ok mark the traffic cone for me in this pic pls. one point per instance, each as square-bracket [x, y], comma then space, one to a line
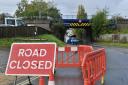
[51, 79]
[41, 81]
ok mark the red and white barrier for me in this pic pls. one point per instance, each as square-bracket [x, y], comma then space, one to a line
[69, 48]
[51, 79]
[67, 56]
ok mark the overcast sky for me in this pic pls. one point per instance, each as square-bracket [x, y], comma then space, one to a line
[69, 7]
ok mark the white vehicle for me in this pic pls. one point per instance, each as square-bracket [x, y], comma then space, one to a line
[12, 22]
[68, 34]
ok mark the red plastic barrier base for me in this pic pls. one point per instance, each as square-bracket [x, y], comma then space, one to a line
[41, 81]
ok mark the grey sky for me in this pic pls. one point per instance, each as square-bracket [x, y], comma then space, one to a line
[115, 7]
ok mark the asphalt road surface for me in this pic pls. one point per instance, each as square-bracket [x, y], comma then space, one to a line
[117, 69]
[117, 66]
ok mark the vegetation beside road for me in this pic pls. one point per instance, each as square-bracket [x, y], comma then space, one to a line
[124, 45]
[6, 42]
[123, 31]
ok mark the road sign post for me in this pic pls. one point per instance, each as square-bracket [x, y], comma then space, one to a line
[31, 59]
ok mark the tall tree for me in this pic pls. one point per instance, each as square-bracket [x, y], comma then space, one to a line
[81, 14]
[99, 21]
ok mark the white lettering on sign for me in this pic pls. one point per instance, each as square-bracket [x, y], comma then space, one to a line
[34, 66]
[12, 64]
[48, 65]
[30, 65]
[32, 53]
[26, 64]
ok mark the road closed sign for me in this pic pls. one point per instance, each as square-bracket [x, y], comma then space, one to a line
[31, 59]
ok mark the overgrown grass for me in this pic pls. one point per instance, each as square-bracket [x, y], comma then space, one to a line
[6, 42]
[51, 38]
[124, 31]
[117, 31]
[124, 45]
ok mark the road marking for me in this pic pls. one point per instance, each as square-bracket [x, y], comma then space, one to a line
[26, 81]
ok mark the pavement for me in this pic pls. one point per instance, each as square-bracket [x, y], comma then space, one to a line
[117, 70]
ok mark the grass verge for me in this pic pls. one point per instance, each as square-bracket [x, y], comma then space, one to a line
[6, 42]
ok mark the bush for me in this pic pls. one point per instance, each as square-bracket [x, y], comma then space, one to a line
[124, 39]
[58, 30]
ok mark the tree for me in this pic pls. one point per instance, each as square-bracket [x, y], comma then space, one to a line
[37, 8]
[117, 17]
[40, 8]
[99, 21]
[54, 13]
[21, 7]
[58, 29]
[81, 14]
[2, 16]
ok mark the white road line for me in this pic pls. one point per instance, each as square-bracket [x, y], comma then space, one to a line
[26, 81]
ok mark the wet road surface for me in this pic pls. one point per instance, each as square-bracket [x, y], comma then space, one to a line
[117, 66]
[117, 69]
[4, 54]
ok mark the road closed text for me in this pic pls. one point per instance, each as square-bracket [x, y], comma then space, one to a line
[30, 65]
[32, 53]
[33, 64]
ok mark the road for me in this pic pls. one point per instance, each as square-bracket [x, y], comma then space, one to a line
[117, 66]
[117, 69]
[4, 52]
